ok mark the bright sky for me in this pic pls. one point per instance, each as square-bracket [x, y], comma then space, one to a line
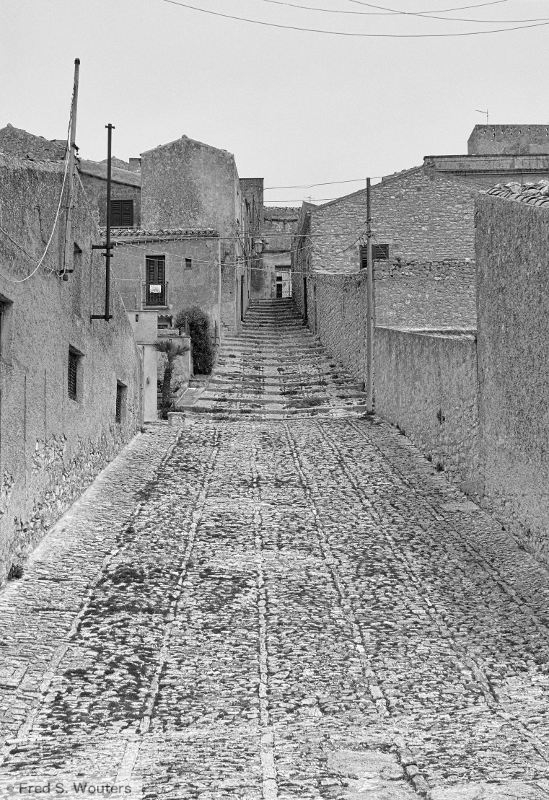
[294, 107]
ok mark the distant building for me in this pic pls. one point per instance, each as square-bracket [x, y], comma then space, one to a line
[273, 278]
[69, 385]
[423, 228]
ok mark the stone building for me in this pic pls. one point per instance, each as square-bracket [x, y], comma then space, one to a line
[189, 185]
[423, 230]
[69, 385]
[273, 277]
[125, 191]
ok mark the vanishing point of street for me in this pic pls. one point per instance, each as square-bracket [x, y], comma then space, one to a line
[279, 599]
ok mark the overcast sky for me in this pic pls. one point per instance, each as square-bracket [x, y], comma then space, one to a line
[294, 107]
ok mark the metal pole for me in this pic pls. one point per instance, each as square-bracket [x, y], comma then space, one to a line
[72, 156]
[108, 246]
[369, 303]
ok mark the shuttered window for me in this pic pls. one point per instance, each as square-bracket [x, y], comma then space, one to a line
[380, 252]
[122, 213]
[155, 267]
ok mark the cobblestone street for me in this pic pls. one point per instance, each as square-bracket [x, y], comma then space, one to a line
[277, 609]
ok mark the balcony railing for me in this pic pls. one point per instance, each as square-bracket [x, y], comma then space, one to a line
[155, 295]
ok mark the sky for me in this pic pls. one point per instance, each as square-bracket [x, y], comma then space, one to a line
[294, 107]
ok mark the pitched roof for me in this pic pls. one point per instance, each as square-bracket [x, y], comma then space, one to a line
[534, 194]
[133, 235]
[17, 142]
[98, 169]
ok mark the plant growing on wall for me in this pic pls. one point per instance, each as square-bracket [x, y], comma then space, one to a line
[171, 350]
[203, 351]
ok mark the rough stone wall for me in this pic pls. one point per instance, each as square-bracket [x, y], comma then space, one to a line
[17, 142]
[421, 215]
[340, 314]
[51, 447]
[277, 231]
[513, 348]
[426, 294]
[426, 383]
[96, 189]
[188, 184]
[503, 139]
[186, 287]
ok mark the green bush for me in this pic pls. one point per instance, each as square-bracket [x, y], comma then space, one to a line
[203, 350]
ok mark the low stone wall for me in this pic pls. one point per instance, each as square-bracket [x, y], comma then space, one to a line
[426, 383]
[337, 313]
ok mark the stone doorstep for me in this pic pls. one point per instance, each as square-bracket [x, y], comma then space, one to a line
[189, 396]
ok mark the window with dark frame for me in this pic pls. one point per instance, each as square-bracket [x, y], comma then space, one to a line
[188, 263]
[72, 376]
[380, 252]
[155, 269]
[122, 213]
[120, 401]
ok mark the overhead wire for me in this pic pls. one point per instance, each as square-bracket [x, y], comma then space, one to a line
[55, 221]
[354, 34]
[391, 12]
[384, 13]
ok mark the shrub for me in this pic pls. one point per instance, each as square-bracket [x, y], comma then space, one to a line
[203, 350]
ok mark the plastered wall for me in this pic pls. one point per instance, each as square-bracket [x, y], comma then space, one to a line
[51, 446]
[513, 345]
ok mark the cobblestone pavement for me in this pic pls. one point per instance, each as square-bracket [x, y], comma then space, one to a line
[277, 610]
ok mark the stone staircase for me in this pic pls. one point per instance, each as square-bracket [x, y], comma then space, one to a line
[275, 369]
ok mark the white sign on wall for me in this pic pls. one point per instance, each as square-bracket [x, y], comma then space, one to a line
[155, 288]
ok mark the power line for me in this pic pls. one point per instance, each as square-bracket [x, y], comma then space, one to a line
[391, 12]
[311, 185]
[424, 15]
[353, 34]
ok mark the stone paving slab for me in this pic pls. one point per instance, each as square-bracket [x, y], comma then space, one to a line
[266, 610]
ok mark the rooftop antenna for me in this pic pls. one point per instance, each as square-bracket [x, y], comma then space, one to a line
[479, 111]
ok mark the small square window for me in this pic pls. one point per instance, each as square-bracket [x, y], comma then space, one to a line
[188, 263]
[72, 374]
[380, 252]
[122, 213]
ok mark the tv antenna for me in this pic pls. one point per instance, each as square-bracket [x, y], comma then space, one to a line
[479, 111]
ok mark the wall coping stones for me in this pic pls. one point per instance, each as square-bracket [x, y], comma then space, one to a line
[536, 194]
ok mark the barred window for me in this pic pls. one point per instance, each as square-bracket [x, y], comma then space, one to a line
[120, 401]
[72, 377]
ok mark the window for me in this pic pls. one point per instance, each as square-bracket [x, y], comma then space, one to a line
[380, 252]
[120, 401]
[72, 375]
[155, 267]
[188, 263]
[122, 213]
[5, 313]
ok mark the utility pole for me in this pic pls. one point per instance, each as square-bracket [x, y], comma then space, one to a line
[369, 303]
[107, 247]
[68, 252]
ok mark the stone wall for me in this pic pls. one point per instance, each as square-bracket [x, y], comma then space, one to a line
[426, 294]
[414, 295]
[504, 139]
[513, 346]
[426, 383]
[199, 285]
[94, 180]
[421, 215]
[188, 184]
[51, 446]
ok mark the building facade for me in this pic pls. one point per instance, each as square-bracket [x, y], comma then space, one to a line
[69, 384]
[273, 278]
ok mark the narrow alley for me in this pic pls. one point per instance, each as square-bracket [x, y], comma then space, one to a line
[278, 600]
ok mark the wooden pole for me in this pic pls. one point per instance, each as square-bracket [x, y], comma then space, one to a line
[369, 303]
[68, 252]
